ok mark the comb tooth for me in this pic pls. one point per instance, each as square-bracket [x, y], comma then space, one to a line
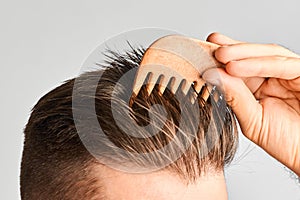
[153, 79]
[140, 81]
[185, 86]
[174, 84]
[163, 83]
[198, 85]
[205, 93]
[193, 94]
[193, 99]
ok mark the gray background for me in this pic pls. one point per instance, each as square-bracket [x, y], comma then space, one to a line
[43, 43]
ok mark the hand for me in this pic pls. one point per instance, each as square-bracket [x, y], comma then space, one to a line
[261, 83]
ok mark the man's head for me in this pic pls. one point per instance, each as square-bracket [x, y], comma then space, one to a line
[57, 165]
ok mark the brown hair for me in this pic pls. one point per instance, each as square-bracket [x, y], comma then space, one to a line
[57, 165]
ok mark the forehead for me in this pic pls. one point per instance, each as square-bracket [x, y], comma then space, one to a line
[141, 186]
[161, 185]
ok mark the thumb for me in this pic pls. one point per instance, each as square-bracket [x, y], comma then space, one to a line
[247, 110]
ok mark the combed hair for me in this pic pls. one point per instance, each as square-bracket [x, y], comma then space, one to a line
[57, 165]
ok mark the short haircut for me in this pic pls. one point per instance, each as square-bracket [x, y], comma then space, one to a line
[56, 164]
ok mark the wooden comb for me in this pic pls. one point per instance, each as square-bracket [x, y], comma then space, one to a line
[173, 59]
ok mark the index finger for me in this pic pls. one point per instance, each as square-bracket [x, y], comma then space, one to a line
[270, 66]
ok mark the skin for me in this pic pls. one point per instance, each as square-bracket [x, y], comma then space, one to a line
[159, 185]
[262, 85]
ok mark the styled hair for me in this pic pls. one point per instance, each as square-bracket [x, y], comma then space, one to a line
[57, 165]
